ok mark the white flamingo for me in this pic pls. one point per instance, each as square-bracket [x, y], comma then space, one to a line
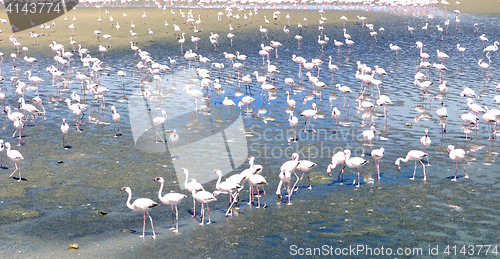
[144, 205]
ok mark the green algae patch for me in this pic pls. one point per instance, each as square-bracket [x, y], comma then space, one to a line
[16, 214]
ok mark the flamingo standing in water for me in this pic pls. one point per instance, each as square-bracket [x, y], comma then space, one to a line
[16, 157]
[64, 130]
[308, 114]
[226, 187]
[413, 155]
[337, 159]
[159, 121]
[368, 135]
[457, 154]
[377, 154]
[304, 166]
[204, 197]
[116, 119]
[489, 49]
[345, 90]
[144, 205]
[285, 177]
[395, 48]
[192, 186]
[425, 141]
[354, 162]
[193, 93]
[293, 122]
[171, 199]
[258, 180]
[335, 115]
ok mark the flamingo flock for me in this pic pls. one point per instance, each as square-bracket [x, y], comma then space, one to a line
[149, 67]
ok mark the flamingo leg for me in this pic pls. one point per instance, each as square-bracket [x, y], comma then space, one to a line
[295, 184]
[17, 168]
[150, 219]
[250, 194]
[208, 211]
[289, 194]
[341, 172]
[194, 208]
[265, 202]
[202, 214]
[425, 177]
[311, 125]
[414, 171]
[456, 170]
[172, 206]
[466, 176]
[258, 196]
[144, 224]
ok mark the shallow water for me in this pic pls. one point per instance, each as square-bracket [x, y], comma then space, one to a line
[64, 189]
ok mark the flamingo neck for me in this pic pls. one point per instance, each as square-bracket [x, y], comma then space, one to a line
[217, 185]
[159, 191]
[186, 182]
[128, 200]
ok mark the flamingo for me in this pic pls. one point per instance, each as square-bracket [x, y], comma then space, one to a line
[181, 41]
[293, 122]
[425, 141]
[308, 114]
[192, 186]
[377, 154]
[335, 115]
[193, 93]
[226, 187]
[337, 159]
[144, 205]
[258, 180]
[456, 155]
[172, 199]
[491, 116]
[485, 66]
[368, 135]
[64, 130]
[332, 67]
[354, 162]
[157, 121]
[18, 124]
[395, 48]
[34, 79]
[290, 101]
[413, 155]
[304, 166]
[116, 119]
[441, 55]
[491, 48]
[229, 104]
[345, 90]
[16, 157]
[483, 38]
[204, 197]
[461, 50]
[13, 116]
[285, 177]
[469, 119]
[31, 109]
